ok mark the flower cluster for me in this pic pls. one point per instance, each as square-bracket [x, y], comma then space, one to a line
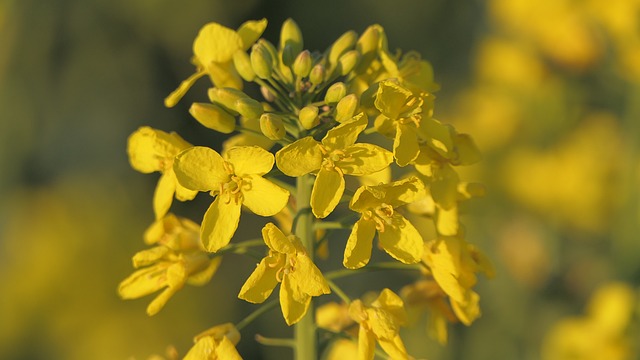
[356, 109]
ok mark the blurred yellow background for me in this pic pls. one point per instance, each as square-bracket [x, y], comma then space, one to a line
[550, 90]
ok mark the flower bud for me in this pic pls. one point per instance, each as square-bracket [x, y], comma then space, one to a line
[302, 64]
[348, 61]
[267, 94]
[213, 117]
[342, 45]
[317, 74]
[335, 93]
[242, 62]
[261, 61]
[288, 55]
[291, 36]
[248, 107]
[346, 108]
[369, 41]
[226, 97]
[309, 117]
[272, 126]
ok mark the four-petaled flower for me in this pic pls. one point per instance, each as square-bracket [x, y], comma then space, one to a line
[213, 51]
[288, 264]
[153, 150]
[380, 322]
[407, 117]
[398, 237]
[235, 180]
[178, 259]
[332, 158]
[217, 343]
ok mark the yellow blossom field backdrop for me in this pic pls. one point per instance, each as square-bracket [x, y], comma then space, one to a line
[549, 90]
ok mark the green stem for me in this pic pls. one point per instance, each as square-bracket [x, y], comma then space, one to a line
[256, 314]
[275, 341]
[336, 289]
[305, 330]
[337, 274]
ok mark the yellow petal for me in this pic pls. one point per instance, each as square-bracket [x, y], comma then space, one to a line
[163, 195]
[397, 193]
[363, 159]
[260, 283]
[294, 304]
[177, 94]
[202, 350]
[299, 158]
[200, 168]
[326, 193]
[466, 150]
[215, 43]
[469, 310]
[220, 223]
[224, 75]
[251, 31]
[438, 136]
[446, 269]
[142, 282]
[203, 277]
[345, 134]
[358, 250]
[182, 193]
[383, 323]
[248, 160]
[276, 240]
[308, 278]
[263, 197]
[402, 241]
[392, 303]
[366, 344]
[226, 350]
[149, 256]
[151, 150]
[381, 177]
[161, 300]
[405, 145]
[444, 185]
[391, 99]
[447, 222]
[394, 348]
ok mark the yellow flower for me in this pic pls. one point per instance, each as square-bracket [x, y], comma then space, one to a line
[397, 235]
[153, 150]
[288, 264]
[444, 182]
[454, 263]
[177, 259]
[413, 73]
[213, 51]
[380, 322]
[217, 343]
[235, 180]
[332, 158]
[427, 294]
[407, 118]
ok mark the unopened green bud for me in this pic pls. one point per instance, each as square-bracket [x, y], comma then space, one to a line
[226, 97]
[335, 93]
[272, 49]
[291, 36]
[346, 108]
[249, 108]
[348, 61]
[213, 117]
[272, 126]
[261, 61]
[302, 65]
[288, 55]
[309, 117]
[242, 62]
[341, 46]
[317, 74]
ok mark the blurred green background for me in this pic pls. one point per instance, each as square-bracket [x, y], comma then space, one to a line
[550, 90]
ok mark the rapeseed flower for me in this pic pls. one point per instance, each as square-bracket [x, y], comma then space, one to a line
[213, 51]
[398, 237]
[380, 322]
[217, 343]
[235, 180]
[287, 263]
[332, 158]
[153, 150]
[178, 259]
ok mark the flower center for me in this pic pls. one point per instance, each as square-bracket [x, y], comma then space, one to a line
[331, 158]
[232, 189]
[382, 215]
